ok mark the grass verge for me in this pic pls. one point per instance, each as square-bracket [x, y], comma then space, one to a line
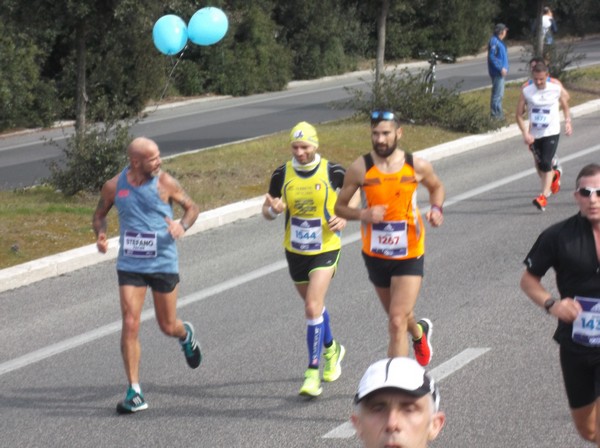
[38, 222]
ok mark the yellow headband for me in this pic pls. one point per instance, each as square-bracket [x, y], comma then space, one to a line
[304, 132]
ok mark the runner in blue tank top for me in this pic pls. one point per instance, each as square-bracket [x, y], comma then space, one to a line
[143, 195]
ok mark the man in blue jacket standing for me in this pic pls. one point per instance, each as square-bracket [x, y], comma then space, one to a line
[498, 69]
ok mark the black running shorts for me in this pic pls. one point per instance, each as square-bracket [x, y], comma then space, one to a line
[544, 150]
[301, 266]
[157, 282]
[581, 374]
[381, 270]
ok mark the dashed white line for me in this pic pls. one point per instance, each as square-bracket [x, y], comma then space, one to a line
[346, 430]
[105, 330]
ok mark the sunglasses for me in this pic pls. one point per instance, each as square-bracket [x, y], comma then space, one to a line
[587, 192]
[378, 115]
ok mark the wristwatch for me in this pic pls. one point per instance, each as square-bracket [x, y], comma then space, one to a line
[549, 303]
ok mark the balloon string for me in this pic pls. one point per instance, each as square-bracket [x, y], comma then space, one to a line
[162, 95]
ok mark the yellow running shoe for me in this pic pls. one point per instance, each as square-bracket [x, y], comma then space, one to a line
[312, 384]
[333, 361]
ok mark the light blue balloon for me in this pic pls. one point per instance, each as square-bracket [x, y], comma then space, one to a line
[170, 34]
[207, 26]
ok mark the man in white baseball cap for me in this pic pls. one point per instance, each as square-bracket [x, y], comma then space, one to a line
[397, 404]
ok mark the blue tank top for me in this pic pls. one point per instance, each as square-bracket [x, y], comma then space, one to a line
[146, 246]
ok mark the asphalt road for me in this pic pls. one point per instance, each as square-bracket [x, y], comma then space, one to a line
[61, 373]
[24, 158]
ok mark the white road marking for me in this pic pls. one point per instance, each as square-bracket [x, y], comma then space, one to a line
[456, 363]
[106, 330]
[346, 430]
[114, 327]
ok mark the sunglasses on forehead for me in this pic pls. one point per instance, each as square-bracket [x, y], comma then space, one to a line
[587, 192]
[378, 115]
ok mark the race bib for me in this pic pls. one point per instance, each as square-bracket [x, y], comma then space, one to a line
[389, 238]
[586, 328]
[540, 118]
[306, 234]
[140, 244]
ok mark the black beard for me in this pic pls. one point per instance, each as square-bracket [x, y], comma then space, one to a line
[386, 152]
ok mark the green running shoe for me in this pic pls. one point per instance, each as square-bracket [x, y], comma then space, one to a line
[133, 402]
[333, 361]
[312, 384]
[190, 347]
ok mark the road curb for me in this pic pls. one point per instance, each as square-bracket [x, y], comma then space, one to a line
[475, 141]
[65, 262]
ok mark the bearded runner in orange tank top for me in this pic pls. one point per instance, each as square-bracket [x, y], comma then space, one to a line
[392, 229]
[401, 234]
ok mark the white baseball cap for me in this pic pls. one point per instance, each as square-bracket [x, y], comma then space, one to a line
[403, 374]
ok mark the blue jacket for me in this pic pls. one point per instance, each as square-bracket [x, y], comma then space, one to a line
[497, 56]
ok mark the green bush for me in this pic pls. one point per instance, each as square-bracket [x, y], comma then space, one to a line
[25, 99]
[91, 158]
[560, 56]
[320, 36]
[454, 27]
[405, 93]
[250, 59]
[189, 78]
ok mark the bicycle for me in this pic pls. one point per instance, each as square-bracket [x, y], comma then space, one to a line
[429, 78]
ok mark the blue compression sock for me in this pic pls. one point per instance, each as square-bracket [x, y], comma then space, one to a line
[327, 336]
[314, 340]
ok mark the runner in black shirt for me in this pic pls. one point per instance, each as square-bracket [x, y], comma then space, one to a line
[572, 248]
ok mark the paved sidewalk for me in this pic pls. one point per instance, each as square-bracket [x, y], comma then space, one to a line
[72, 260]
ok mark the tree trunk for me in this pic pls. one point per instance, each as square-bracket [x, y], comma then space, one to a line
[381, 22]
[538, 48]
[81, 95]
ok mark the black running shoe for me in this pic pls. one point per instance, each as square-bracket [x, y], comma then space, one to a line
[190, 347]
[133, 402]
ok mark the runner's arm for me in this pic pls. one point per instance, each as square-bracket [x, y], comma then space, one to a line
[565, 91]
[177, 194]
[352, 182]
[521, 109]
[273, 205]
[566, 309]
[564, 104]
[105, 203]
[427, 176]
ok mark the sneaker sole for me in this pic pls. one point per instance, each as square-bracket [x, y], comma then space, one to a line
[429, 334]
[306, 393]
[555, 187]
[330, 379]
[192, 363]
[538, 205]
[123, 410]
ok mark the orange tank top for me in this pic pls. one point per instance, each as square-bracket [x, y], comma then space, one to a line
[401, 235]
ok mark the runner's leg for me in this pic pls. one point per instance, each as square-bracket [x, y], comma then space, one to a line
[399, 302]
[132, 301]
[165, 307]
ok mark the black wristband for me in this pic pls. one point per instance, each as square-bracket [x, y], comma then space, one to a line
[549, 303]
